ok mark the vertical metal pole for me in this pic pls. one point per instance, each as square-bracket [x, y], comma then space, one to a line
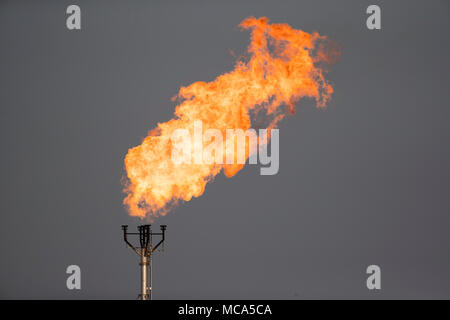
[151, 273]
[144, 265]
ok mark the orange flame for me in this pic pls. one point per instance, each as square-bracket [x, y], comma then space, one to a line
[282, 67]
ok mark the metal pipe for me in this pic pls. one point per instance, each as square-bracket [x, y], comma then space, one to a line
[144, 265]
[151, 274]
[145, 251]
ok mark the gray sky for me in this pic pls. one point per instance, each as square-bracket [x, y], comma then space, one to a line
[365, 181]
